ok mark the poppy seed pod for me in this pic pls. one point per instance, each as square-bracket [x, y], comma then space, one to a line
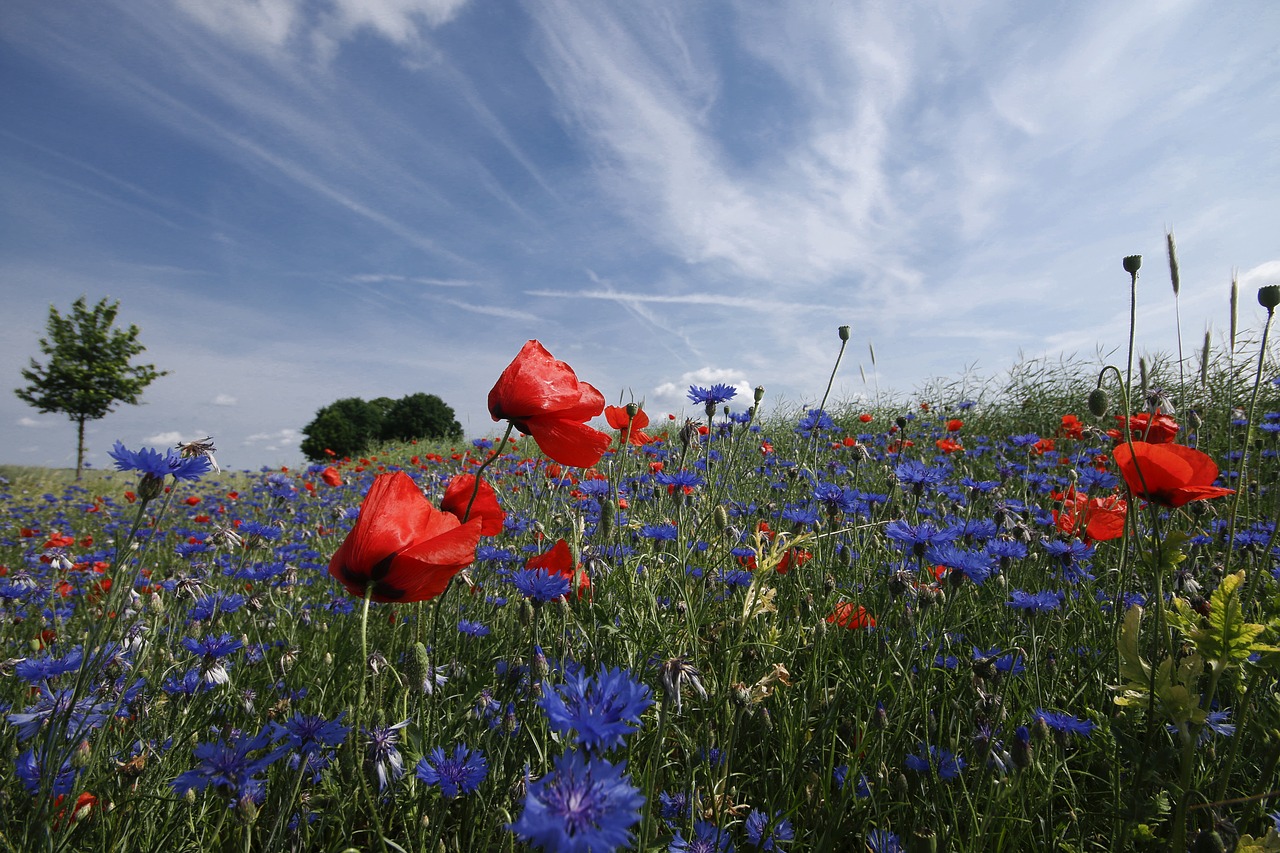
[844, 333]
[1132, 263]
[759, 393]
[1098, 402]
[1269, 296]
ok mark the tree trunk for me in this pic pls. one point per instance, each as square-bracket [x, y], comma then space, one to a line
[79, 446]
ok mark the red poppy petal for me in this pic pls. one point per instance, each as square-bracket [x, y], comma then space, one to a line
[559, 560]
[535, 383]
[569, 442]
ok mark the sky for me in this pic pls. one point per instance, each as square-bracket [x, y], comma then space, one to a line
[302, 200]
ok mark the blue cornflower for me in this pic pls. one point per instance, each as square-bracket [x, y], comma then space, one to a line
[232, 767]
[815, 420]
[473, 629]
[80, 715]
[312, 739]
[212, 647]
[46, 667]
[674, 807]
[920, 536]
[30, 771]
[152, 464]
[460, 773]
[383, 761]
[1215, 723]
[601, 710]
[975, 565]
[948, 764]
[884, 841]
[1034, 602]
[713, 396]
[835, 499]
[766, 833]
[706, 838]
[584, 805]
[802, 514]
[219, 602]
[683, 482]
[1024, 440]
[659, 532]
[539, 585]
[918, 476]
[1065, 723]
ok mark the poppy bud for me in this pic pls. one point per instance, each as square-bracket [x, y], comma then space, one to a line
[844, 333]
[1132, 263]
[1098, 403]
[1269, 296]
[721, 516]
[901, 422]
[608, 509]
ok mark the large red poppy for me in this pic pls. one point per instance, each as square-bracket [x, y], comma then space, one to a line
[485, 506]
[1174, 475]
[543, 397]
[402, 548]
[628, 428]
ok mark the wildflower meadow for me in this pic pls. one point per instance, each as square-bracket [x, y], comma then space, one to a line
[1038, 614]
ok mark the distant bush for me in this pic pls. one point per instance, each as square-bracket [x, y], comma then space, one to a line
[348, 426]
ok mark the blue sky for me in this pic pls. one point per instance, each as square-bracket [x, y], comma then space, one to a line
[302, 200]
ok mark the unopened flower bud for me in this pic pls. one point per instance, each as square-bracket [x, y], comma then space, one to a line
[1132, 263]
[759, 393]
[721, 516]
[151, 487]
[1098, 403]
[844, 333]
[1269, 296]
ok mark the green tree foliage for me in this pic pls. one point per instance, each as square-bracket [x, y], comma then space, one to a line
[347, 427]
[89, 370]
[419, 416]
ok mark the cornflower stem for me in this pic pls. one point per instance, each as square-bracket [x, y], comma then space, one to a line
[1244, 460]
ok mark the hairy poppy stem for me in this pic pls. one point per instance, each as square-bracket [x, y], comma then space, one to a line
[492, 456]
[1244, 460]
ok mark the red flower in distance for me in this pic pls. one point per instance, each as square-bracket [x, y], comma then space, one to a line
[402, 548]
[846, 615]
[542, 397]
[1071, 427]
[955, 425]
[1174, 475]
[485, 507]
[1161, 429]
[559, 561]
[331, 476]
[626, 425]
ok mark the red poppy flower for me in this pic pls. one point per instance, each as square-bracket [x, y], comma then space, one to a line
[846, 615]
[559, 561]
[1099, 519]
[1161, 429]
[1174, 475]
[1071, 427]
[402, 548]
[955, 425]
[543, 398]
[331, 476]
[485, 507]
[626, 425]
[948, 445]
[865, 418]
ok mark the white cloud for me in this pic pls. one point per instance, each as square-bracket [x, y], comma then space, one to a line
[164, 439]
[286, 439]
[224, 400]
[34, 423]
[673, 396]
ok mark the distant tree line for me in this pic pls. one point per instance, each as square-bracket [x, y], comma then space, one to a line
[348, 426]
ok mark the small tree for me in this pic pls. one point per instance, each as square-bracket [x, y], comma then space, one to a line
[88, 371]
[419, 416]
[344, 428]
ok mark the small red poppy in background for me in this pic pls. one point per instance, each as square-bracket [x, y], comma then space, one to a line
[1173, 475]
[543, 397]
[402, 548]
[1071, 427]
[485, 506]
[331, 476]
[1099, 519]
[949, 445]
[559, 561]
[865, 418]
[1161, 429]
[629, 428]
[955, 425]
[846, 615]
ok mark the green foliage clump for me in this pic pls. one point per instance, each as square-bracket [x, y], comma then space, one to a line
[348, 426]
